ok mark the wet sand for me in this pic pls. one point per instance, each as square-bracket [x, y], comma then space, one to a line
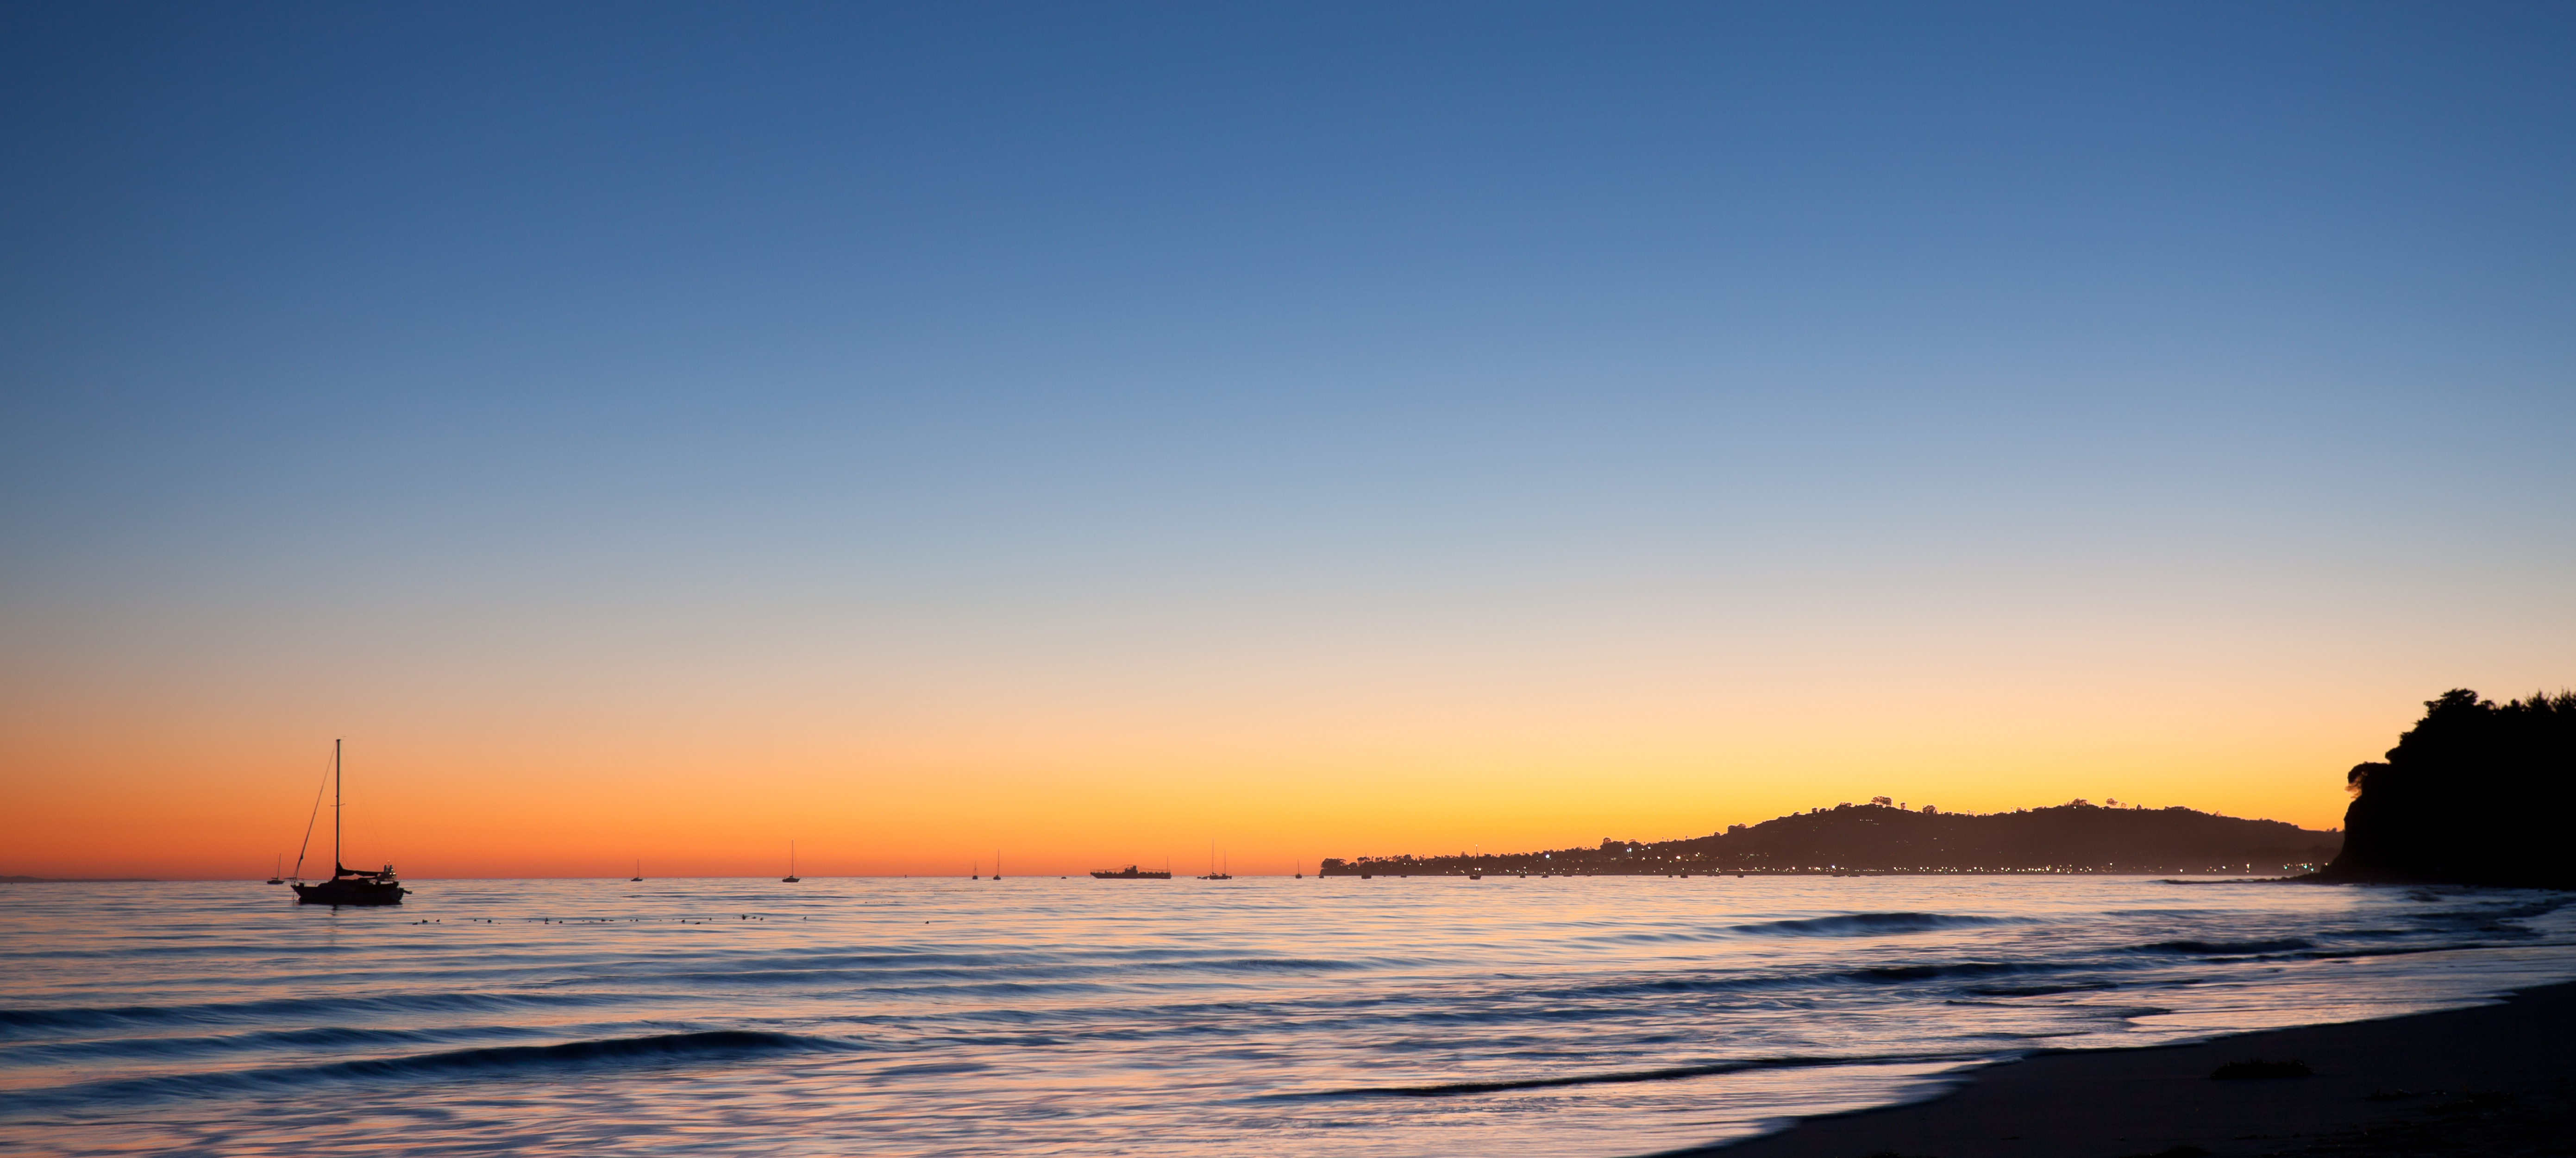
[2495, 1080]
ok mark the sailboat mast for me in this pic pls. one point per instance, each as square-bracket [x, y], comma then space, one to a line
[335, 808]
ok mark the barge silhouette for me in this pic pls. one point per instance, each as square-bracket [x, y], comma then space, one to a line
[1131, 873]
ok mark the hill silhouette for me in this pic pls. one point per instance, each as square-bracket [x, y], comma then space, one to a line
[1879, 837]
[2476, 793]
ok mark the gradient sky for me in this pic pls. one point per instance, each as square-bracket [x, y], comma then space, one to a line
[1102, 431]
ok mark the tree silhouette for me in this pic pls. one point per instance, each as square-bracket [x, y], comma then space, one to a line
[2476, 793]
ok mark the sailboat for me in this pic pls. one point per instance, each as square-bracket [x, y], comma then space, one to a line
[639, 871]
[997, 866]
[347, 886]
[1213, 874]
[791, 877]
[277, 872]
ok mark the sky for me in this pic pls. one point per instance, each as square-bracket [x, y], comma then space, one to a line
[1104, 433]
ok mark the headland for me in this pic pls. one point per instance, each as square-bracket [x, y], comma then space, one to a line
[2476, 793]
[1881, 837]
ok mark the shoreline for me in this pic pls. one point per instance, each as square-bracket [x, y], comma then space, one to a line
[2495, 1079]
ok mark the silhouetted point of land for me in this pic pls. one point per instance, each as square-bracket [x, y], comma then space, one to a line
[1881, 838]
[2476, 793]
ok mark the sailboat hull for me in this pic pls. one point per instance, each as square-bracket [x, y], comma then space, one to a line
[349, 892]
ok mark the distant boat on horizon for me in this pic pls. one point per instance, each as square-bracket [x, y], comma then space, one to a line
[1213, 874]
[347, 886]
[277, 872]
[639, 870]
[1131, 873]
[789, 879]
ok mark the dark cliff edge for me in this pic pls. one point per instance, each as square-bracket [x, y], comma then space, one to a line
[2476, 793]
[1881, 838]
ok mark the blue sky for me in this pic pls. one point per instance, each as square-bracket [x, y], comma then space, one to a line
[1819, 347]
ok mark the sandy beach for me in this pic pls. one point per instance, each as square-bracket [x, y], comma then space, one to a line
[2493, 1080]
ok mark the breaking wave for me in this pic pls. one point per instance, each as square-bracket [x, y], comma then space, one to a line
[1867, 925]
[707, 1046]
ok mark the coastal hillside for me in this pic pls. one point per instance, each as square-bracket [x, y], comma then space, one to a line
[2476, 793]
[1881, 837]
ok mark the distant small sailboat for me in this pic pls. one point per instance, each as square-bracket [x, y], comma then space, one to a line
[347, 886]
[791, 877]
[639, 870]
[277, 873]
[997, 866]
[1213, 874]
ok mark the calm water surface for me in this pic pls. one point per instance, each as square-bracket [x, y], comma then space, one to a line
[1607, 1016]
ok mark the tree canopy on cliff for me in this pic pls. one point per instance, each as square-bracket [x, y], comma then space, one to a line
[2476, 793]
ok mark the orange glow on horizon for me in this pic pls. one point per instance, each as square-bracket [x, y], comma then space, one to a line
[1065, 794]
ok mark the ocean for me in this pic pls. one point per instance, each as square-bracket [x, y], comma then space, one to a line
[1270, 1016]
